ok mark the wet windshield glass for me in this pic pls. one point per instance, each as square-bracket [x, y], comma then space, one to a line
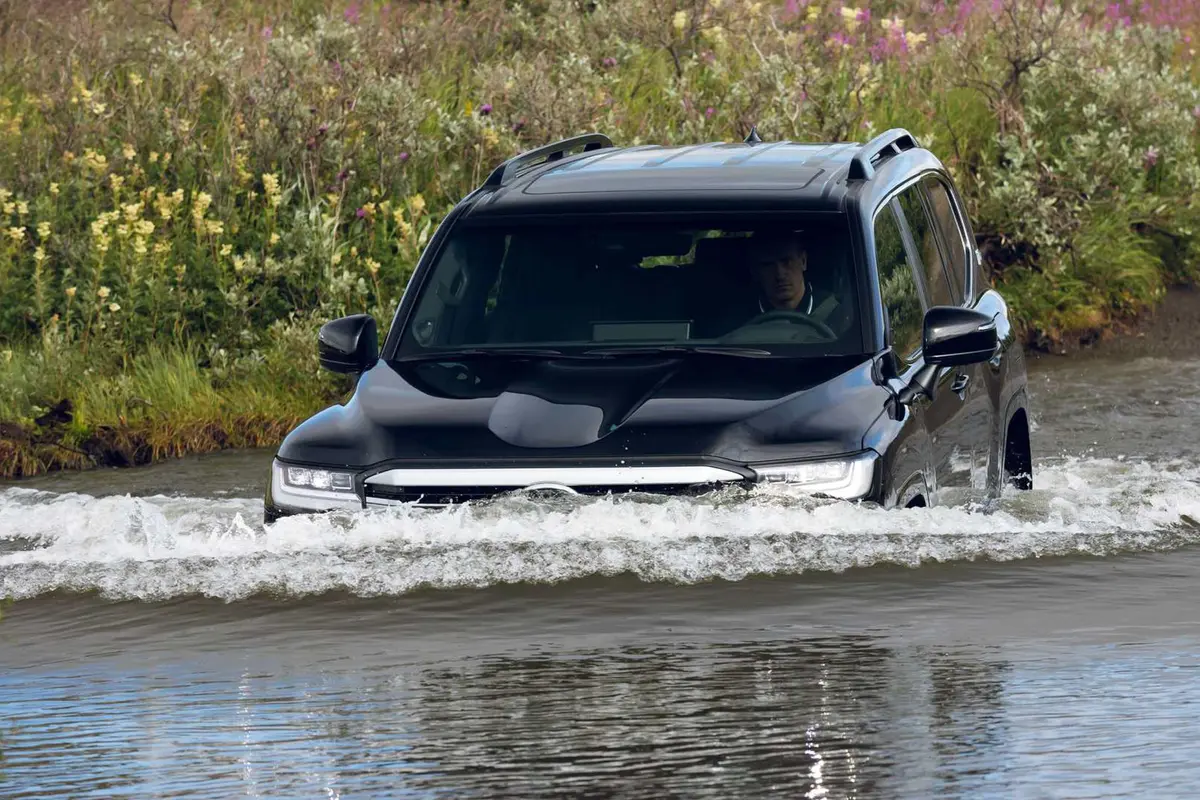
[790, 290]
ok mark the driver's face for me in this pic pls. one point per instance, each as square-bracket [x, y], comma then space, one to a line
[780, 277]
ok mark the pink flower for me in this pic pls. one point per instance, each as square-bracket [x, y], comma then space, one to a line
[360, 213]
[708, 112]
[609, 62]
[1151, 157]
[485, 109]
[352, 13]
[403, 157]
[267, 32]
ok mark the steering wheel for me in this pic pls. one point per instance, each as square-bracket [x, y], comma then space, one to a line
[798, 317]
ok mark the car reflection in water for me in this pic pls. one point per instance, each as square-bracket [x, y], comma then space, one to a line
[841, 716]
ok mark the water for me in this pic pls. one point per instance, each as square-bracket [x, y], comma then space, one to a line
[162, 642]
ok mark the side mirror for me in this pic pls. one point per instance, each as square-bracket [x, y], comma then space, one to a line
[955, 336]
[952, 336]
[348, 345]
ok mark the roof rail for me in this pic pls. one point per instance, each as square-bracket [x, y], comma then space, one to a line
[890, 143]
[545, 154]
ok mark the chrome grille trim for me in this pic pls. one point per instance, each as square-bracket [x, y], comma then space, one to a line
[520, 477]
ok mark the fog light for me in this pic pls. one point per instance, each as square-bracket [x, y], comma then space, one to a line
[322, 479]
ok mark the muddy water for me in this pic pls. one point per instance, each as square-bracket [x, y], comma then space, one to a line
[161, 643]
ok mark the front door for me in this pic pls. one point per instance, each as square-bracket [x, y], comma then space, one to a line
[958, 447]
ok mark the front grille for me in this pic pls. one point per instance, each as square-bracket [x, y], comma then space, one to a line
[452, 495]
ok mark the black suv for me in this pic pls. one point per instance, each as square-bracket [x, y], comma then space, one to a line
[595, 320]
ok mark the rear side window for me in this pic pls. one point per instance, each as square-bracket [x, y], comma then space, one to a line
[921, 226]
[952, 233]
[898, 285]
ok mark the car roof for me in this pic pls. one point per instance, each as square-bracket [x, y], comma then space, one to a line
[713, 176]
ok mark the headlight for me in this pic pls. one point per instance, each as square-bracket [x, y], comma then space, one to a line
[319, 479]
[311, 488]
[849, 478]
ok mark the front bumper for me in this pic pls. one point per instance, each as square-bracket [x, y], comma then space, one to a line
[432, 487]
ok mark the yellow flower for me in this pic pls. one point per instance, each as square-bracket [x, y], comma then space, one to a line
[71, 291]
[5, 194]
[129, 152]
[102, 242]
[17, 234]
[117, 182]
[10, 208]
[132, 211]
[201, 202]
[144, 227]
[161, 248]
[914, 39]
[417, 203]
[813, 12]
[153, 156]
[43, 230]
[274, 239]
[39, 255]
[353, 252]
[22, 208]
[68, 156]
[490, 137]
[99, 108]
[226, 249]
[113, 307]
[337, 259]
[372, 266]
[893, 23]
[215, 228]
[139, 246]
[135, 80]
[271, 189]
[680, 21]
[103, 292]
[54, 189]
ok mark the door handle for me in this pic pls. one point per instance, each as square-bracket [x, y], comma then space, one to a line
[960, 383]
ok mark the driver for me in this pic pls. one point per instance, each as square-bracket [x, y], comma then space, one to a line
[777, 264]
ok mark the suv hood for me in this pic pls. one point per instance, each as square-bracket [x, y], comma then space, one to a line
[496, 410]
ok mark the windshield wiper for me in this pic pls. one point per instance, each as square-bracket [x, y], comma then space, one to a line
[477, 352]
[674, 349]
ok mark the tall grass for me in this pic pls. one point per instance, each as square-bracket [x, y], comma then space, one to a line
[190, 189]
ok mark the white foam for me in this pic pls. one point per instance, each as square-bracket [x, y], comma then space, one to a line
[162, 547]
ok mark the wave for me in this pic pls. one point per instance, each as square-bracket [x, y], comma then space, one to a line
[161, 547]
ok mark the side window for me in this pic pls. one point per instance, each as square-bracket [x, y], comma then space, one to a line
[898, 285]
[925, 239]
[953, 235]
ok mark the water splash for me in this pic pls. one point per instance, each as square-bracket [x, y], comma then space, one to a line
[161, 547]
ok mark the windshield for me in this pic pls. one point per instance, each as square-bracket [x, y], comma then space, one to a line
[616, 286]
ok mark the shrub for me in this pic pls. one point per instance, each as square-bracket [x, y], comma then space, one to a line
[222, 179]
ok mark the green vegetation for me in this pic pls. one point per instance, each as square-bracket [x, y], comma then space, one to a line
[191, 188]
